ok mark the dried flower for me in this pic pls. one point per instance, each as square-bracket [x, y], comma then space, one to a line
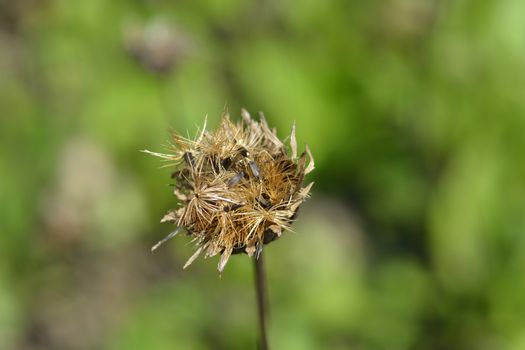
[158, 45]
[238, 187]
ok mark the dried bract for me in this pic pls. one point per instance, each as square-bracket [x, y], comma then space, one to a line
[238, 187]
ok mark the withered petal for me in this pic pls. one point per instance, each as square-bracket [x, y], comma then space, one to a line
[192, 258]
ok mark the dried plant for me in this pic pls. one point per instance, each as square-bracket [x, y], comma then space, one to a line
[157, 45]
[239, 187]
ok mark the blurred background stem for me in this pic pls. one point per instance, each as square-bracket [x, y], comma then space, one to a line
[165, 105]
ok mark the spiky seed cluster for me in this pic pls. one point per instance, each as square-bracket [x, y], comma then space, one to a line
[238, 187]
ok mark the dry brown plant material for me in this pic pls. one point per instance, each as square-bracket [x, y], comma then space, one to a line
[238, 187]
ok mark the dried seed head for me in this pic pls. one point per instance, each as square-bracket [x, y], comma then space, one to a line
[238, 187]
[158, 45]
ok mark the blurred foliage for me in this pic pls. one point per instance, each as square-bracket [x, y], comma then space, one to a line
[414, 110]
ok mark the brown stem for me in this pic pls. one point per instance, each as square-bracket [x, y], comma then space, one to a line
[260, 288]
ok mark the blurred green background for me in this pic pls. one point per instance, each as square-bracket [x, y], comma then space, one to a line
[415, 113]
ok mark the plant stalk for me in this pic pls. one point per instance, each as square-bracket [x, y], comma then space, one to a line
[262, 302]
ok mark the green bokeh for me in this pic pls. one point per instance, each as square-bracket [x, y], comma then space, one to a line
[414, 111]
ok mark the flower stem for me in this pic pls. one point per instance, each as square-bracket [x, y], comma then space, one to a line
[260, 288]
